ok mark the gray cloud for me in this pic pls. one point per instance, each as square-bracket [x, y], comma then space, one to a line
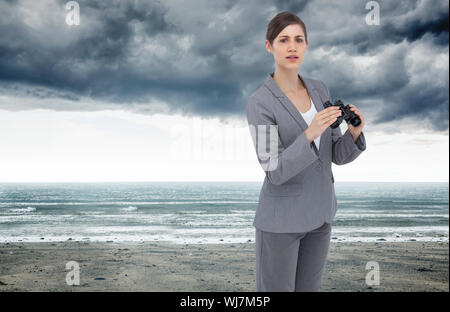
[205, 58]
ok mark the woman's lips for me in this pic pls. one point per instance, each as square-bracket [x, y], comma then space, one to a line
[292, 59]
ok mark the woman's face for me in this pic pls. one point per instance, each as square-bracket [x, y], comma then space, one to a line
[290, 41]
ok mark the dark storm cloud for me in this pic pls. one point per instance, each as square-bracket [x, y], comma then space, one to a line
[423, 20]
[206, 57]
[294, 6]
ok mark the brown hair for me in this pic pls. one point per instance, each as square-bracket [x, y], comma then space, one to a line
[280, 21]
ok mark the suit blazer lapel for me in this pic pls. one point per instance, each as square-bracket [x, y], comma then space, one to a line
[290, 107]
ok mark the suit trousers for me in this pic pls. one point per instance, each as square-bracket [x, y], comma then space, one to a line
[291, 261]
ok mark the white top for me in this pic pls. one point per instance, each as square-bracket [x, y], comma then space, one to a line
[308, 117]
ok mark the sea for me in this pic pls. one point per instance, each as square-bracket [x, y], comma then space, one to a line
[209, 212]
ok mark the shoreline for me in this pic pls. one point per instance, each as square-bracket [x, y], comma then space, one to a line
[225, 241]
[158, 266]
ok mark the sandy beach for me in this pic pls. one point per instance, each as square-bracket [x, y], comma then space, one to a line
[151, 266]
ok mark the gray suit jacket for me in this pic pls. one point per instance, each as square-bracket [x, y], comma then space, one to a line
[298, 193]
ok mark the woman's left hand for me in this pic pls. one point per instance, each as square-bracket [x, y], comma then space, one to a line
[356, 131]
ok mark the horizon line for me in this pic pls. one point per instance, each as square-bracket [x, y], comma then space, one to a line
[190, 181]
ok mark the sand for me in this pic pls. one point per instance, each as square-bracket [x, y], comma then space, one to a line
[151, 266]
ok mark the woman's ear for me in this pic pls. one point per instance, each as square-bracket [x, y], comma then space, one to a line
[268, 47]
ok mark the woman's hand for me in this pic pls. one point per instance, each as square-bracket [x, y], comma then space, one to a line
[356, 131]
[322, 120]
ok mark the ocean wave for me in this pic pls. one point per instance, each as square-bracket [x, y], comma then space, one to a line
[22, 210]
[387, 229]
[344, 215]
[179, 202]
[129, 208]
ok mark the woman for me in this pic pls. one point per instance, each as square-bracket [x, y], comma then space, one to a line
[297, 202]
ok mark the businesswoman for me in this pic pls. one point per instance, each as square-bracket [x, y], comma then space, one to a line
[295, 145]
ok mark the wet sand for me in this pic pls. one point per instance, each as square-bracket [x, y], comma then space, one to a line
[150, 266]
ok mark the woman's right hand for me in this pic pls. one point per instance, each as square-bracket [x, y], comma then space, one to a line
[322, 120]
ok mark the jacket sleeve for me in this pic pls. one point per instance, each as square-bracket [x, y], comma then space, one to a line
[344, 149]
[279, 162]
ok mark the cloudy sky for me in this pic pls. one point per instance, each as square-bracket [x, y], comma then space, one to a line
[156, 91]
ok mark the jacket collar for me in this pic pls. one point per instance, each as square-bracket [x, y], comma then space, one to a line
[290, 107]
[275, 89]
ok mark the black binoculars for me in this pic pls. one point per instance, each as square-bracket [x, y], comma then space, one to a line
[347, 114]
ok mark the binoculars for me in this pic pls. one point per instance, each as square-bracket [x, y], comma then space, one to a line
[347, 114]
